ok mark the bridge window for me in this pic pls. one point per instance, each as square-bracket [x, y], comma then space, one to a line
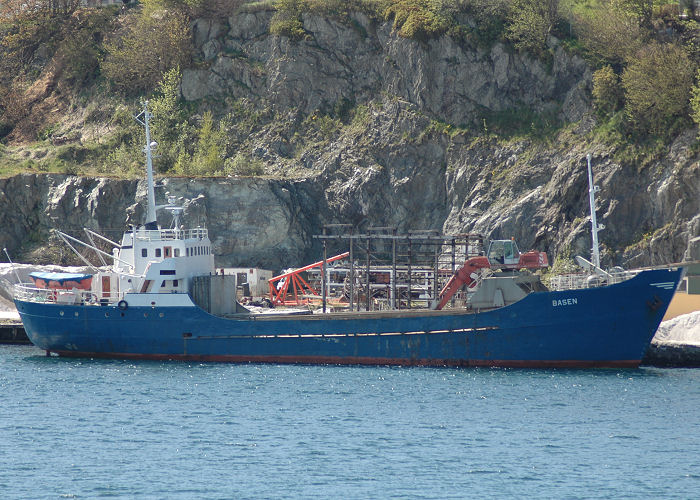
[157, 252]
[177, 252]
[144, 252]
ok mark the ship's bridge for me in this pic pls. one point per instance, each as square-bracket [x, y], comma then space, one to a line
[186, 250]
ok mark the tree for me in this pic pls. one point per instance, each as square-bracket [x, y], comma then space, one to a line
[642, 9]
[607, 93]
[168, 119]
[695, 99]
[11, 9]
[209, 156]
[530, 22]
[155, 42]
[610, 34]
[657, 86]
[198, 8]
[287, 19]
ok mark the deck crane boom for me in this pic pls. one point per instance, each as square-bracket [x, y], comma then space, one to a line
[501, 255]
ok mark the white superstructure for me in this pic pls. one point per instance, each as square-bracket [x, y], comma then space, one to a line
[148, 260]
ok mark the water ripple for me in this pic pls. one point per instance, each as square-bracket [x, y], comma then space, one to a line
[120, 429]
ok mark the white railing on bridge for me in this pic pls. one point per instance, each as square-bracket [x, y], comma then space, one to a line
[171, 234]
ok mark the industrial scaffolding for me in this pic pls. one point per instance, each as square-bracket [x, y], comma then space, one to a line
[389, 270]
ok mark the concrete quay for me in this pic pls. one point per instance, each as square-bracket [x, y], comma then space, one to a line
[13, 333]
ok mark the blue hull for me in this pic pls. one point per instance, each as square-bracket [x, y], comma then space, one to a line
[600, 327]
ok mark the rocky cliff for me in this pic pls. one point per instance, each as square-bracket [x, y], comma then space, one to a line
[417, 153]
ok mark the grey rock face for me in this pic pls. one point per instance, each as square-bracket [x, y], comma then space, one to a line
[402, 166]
[357, 61]
[427, 181]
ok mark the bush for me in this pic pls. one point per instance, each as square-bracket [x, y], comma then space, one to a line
[520, 121]
[657, 87]
[5, 129]
[209, 153]
[82, 50]
[530, 23]
[694, 100]
[609, 34]
[287, 19]
[154, 43]
[244, 165]
[420, 19]
[169, 120]
[213, 9]
[209, 156]
[291, 28]
[607, 92]
[490, 18]
[20, 43]
[14, 105]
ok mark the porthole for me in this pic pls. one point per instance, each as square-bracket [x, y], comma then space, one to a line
[61, 313]
[161, 315]
[76, 314]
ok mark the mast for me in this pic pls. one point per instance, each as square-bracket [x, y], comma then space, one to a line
[595, 227]
[143, 118]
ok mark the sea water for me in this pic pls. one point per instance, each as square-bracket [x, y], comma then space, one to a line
[82, 428]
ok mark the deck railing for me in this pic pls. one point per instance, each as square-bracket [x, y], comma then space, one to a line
[171, 234]
[30, 293]
[577, 281]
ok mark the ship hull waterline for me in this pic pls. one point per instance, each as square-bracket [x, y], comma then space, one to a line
[608, 326]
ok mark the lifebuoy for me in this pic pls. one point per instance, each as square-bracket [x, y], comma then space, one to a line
[122, 304]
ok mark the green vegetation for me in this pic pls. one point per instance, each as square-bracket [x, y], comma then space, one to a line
[154, 42]
[244, 165]
[520, 121]
[420, 19]
[607, 91]
[695, 99]
[531, 22]
[657, 88]
[72, 77]
[287, 19]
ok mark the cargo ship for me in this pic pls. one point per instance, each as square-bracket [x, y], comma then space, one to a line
[162, 299]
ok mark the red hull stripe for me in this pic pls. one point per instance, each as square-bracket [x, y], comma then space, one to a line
[350, 360]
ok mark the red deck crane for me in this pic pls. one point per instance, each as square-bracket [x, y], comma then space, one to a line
[279, 285]
[502, 254]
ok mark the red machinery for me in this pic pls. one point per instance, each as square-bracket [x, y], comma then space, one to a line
[502, 254]
[462, 277]
[279, 285]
